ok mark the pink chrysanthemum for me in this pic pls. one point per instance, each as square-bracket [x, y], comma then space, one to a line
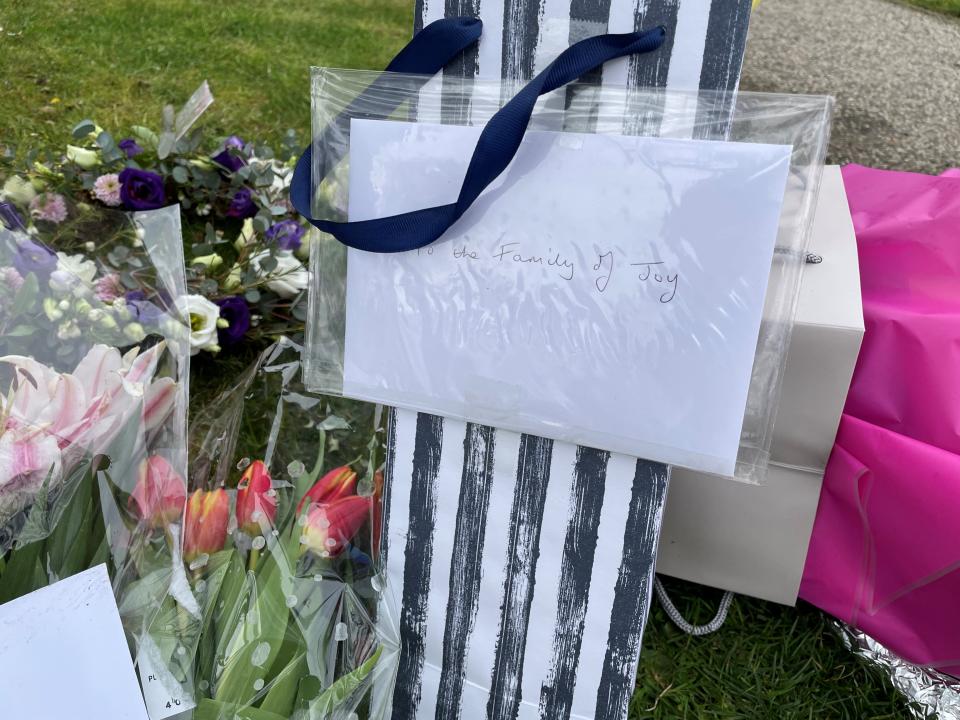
[106, 189]
[108, 288]
[11, 278]
[50, 207]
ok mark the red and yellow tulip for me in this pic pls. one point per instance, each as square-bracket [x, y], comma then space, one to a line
[339, 483]
[330, 527]
[205, 530]
[256, 500]
[159, 494]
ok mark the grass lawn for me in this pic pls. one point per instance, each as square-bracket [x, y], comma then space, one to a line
[950, 7]
[118, 62]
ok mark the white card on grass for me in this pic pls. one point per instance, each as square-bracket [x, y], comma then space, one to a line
[63, 654]
[605, 290]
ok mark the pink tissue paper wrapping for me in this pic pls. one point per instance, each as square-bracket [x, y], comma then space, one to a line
[885, 551]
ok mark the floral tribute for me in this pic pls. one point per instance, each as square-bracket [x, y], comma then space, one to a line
[93, 359]
[280, 551]
[245, 248]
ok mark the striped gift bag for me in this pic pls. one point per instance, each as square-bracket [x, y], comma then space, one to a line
[519, 569]
[518, 573]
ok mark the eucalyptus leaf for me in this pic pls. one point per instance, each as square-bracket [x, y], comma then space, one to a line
[180, 174]
[268, 264]
[165, 146]
[252, 296]
[82, 129]
[105, 141]
[264, 178]
[147, 137]
[261, 223]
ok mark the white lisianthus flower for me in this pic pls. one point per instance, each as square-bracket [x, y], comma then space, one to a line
[287, 279]
[202, 316]
[81, 156]
[18, 190]
[73, 272]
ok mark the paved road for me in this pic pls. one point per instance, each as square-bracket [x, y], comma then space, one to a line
[894, 69]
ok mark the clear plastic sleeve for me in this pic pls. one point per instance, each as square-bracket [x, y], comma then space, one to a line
[719, 344]
[94, 364]
[282, 530]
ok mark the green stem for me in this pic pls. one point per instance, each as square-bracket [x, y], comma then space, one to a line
[254, 559]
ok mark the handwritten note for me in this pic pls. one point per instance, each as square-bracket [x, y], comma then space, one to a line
[63, 654]
[605, 290]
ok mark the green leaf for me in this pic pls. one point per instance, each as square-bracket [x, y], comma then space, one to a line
[26, 297]
[342, 689]
[105, 141]
[21, 331]
[181, 175]
[76, 531]
[258, 639]
[147, 137]
[24, 572]
[283, 693]
[82, 129]
[252, 296]
[268, 264]
[165, 146]
[215, 710]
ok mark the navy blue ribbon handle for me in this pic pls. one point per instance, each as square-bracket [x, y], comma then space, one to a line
[426, 54]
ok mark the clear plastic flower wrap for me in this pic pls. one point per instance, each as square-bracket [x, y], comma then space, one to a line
[94, 363]
[281, 549]
[504, 321]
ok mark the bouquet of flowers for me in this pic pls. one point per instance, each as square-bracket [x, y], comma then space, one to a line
[280, 549]
[243, 242]
[93, 365]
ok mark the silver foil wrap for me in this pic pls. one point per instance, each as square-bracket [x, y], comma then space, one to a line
[933, 693]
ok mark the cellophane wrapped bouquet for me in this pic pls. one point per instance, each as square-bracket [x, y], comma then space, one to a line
[94, 357]
[281, 551]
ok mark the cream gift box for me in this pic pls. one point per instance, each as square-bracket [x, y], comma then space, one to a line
[753, 539]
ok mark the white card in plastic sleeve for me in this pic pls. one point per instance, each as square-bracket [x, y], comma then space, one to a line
[63, 654]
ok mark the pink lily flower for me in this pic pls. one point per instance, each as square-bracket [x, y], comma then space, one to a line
[50, 417]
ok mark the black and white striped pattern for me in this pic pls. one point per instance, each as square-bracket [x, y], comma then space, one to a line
[519, 573]
[704, 49]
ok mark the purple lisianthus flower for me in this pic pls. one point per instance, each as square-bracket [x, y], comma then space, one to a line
[145, 312]
[10, 218]
[230, 160]
[235, 311]
[130, 147]
[286, 234]
[34, 258]
[141, 190]
[242, 205]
